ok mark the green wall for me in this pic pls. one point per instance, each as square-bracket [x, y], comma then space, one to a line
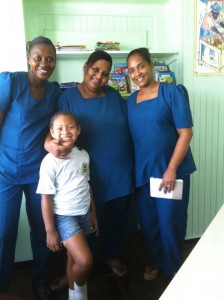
[207, 103]
[164, 27]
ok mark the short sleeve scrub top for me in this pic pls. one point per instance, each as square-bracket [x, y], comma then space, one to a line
[24, 128]
[106, 137]
[153, 125]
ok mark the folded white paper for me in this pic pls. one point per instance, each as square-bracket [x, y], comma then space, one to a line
[176, 194]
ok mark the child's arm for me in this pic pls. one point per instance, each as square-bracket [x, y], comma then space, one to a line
[53, 239]
[94, 224]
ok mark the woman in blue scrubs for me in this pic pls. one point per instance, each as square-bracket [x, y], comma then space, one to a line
[105, 135]
[160, 121]
[27, 101]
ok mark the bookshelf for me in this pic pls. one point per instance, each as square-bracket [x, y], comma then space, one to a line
[70, 62]
[76, 54]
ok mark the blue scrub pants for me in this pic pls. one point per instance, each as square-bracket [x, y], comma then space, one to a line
[163, 223]
[113, 218]
[10, 204]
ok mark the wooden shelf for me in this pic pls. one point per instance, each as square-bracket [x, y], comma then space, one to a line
[114, 53]
[77, 57]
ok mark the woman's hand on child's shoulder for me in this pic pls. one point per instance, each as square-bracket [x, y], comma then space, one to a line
[58, 150]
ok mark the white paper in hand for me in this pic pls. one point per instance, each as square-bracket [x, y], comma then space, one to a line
[176, 194]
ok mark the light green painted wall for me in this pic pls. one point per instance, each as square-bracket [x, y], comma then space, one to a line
[12, 50]
[207, 103]
[13, 58]
[46, 16]
[171, 29]
[72, 22]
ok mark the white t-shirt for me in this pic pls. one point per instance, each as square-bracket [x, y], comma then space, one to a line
[67, 180]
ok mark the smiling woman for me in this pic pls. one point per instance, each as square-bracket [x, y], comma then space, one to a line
[41, 56]
[105, 136]
[27, 103]
[160, 122]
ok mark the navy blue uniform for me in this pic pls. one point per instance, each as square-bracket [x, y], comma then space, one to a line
[153, 125]
[22, 136]
[106, 137]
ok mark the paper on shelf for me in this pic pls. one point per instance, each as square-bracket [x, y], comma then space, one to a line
[176, 194]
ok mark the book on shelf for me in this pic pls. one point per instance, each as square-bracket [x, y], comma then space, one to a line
[107, 45]
[132, 86]
[118, 82]
[72, 48]
[160, 66]
[121, 68]
[165, 76]
[162, 73]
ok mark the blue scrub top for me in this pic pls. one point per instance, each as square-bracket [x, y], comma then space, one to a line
[106, 137]
[153, 125]
[24, 128]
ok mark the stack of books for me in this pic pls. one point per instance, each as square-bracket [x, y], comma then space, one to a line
[163, 74]
[72, 48]
[107, 46]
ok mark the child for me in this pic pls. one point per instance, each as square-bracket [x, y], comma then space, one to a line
[66, 203]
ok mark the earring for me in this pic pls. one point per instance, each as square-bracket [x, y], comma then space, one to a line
[84, 69]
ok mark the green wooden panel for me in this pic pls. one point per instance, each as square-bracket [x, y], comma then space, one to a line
[109, 1]
[206, 92]
[208, 142]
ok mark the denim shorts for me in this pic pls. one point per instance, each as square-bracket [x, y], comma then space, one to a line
[67, 226]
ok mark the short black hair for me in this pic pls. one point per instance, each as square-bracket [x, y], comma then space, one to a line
[98, 55]
[143, 52]
[64, 113]
[37, 41]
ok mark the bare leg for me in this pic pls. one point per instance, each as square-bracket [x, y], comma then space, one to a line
[80, 259]
[69, 271]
